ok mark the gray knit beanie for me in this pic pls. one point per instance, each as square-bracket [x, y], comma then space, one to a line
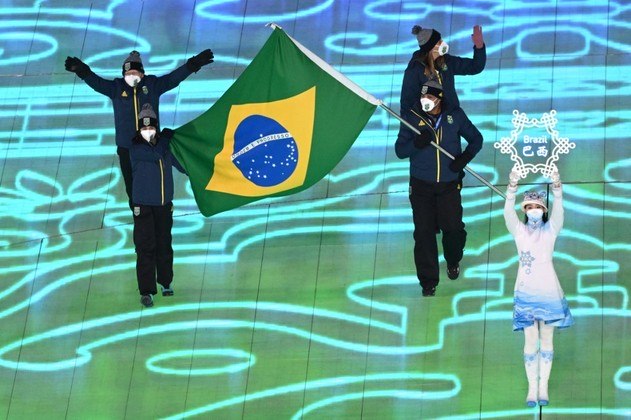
[133, 62]
[427, 38]
[147, 117]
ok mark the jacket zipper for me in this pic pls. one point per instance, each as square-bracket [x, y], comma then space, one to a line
[135, 108]
[437, 135]
[438, 138]
[161, 180]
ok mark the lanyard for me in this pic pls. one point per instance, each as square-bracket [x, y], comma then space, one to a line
[440, 117]
[435, 126]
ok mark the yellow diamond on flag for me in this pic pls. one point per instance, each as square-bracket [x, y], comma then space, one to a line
[266, 147]
[280, 128]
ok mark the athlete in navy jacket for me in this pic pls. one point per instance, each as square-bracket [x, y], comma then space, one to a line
[435, 181]
[432, 62]
[129, 92]
[151, 162]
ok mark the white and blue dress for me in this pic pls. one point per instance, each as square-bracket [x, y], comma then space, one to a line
[538, 293]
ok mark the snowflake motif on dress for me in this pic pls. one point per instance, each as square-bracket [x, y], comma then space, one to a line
[526, 260]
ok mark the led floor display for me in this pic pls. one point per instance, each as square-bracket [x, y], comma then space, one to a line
[307, 305]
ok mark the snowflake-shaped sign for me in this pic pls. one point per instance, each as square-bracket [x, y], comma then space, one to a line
[534, 146]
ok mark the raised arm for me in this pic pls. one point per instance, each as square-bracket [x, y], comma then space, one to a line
[510, 215]
[556, 214]
[83, 71]
[469, 66]
[192, 65]
[169, 81]
[464, 66]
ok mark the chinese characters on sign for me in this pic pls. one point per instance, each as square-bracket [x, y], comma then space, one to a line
[532, 146]
[528, 154]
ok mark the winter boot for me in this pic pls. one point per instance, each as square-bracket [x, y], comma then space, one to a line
[545, 365]
[531, 362]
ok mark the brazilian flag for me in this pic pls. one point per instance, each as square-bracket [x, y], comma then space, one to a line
[284, 124]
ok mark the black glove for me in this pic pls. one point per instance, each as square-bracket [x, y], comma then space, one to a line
[167, 133]
[73, 64]
[423, 139]
[196, 62]
[460, 161]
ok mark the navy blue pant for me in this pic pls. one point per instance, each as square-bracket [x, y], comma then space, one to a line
[154, 254]
[436, 206]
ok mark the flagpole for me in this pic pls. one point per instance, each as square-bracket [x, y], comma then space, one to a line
[368, 97]
[445, 152]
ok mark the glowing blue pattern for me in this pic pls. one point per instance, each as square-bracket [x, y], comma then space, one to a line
[65, 224]
[188, 354]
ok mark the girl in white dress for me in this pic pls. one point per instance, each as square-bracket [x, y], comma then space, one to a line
[539, 303]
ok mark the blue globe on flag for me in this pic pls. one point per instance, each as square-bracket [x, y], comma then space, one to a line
[264, 151]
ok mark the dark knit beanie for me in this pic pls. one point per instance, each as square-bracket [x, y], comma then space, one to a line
[432, 87]
[427, 38]
[133, 62]
[147, 118]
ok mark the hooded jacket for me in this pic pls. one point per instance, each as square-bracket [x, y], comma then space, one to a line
[428, 163]
[152, 171]
[127, 100]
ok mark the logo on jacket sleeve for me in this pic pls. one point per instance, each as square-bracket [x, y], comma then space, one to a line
[450, 119]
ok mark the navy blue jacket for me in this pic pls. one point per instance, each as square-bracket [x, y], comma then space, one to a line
[151, 170]
[428, 163]
[127, 101]
[414, 77]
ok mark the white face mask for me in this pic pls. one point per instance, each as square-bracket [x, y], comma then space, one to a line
[427, 104]
[132, 79]
[443, 48]
[535, 214]
[148, 134]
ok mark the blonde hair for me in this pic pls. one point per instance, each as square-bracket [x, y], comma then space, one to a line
[431, 64]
